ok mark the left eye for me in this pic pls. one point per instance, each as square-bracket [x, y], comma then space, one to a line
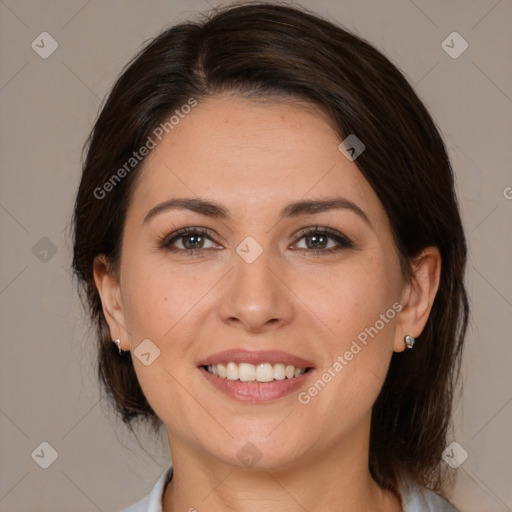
[319, 238]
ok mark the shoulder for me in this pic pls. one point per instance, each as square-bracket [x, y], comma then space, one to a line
[420, 499]
[152, 502]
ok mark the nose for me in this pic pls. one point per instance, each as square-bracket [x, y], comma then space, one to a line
[255, 296]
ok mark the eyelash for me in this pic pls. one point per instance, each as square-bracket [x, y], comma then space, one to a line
[345, 243]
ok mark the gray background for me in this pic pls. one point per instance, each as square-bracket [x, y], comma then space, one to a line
[48, 390]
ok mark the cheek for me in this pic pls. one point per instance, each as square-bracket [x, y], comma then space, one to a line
[348, 385]
[357, 305]
[349, 298]
[154, 300]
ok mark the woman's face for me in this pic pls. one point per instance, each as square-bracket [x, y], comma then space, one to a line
[255, 282]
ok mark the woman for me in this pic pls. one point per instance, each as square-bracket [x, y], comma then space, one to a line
[270, 246]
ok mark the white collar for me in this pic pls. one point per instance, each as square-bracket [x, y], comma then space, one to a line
[152, 502]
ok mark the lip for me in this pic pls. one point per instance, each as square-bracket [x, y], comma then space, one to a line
[256, 357]
[256, 392]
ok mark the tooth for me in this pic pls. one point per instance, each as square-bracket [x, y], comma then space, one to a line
[279, 371]
[222, 370]
[246, 372]
[232, 371]
[264, 372]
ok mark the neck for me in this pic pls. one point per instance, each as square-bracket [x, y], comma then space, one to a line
[336, 479]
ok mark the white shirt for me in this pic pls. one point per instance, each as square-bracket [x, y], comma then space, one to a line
[414, 499]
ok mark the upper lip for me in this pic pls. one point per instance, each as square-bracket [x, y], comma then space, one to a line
[255, 357]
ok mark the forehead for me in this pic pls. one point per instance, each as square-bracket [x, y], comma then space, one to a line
[250, 155]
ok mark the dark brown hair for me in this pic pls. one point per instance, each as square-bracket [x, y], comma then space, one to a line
[270, 50]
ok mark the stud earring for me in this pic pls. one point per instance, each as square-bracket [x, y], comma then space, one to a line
[409, 341]
[118, 343]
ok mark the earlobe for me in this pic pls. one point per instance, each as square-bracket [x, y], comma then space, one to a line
[109, 290]
[418, 296]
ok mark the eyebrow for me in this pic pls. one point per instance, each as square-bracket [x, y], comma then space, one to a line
[294, 209]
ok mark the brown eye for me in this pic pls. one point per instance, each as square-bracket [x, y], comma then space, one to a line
[317, 240]
[192, 241]
[188, 240]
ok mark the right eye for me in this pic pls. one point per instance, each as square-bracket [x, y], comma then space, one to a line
[191, 239]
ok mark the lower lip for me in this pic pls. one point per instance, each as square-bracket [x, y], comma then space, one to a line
[256, 392]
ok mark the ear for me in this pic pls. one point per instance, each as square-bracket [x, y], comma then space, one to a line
[418, 296]
[110, 293]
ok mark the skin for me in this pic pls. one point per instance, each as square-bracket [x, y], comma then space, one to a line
[254, 158]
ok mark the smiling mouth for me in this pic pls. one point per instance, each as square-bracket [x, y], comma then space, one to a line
[247, 372]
